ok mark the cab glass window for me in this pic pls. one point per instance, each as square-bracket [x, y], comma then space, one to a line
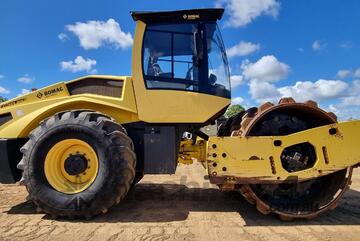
[189, 57]
[168, 57]
[218, 75]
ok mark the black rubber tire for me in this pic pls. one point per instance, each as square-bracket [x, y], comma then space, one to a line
[116, 171]
[231, 124]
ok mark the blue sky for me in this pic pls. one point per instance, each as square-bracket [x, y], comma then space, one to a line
[305, 49]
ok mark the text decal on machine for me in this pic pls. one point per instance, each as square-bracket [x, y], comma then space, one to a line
[48, 93]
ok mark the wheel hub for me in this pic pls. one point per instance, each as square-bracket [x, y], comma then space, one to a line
[71, 166]
[75, 164]
[298, 157]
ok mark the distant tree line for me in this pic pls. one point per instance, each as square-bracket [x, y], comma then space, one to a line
[2, 99]
[233, 110]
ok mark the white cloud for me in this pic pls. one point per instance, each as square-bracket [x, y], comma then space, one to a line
[333, 108]
[26, 79]
[349, 106]
[349, 113]
[302, 91]
[236, 80]
[346, 45]
[319, 90]
[343, 73]
[94, 34]
[300, 50]
[261, 75]
[93, 71]
[351, 101]
[355, 88]
[263, 91]
[63, 37]
[79, 64]
[243, 12]
[4, 90]
[24, 91]
[242, 49]
[353, 98]
[357, 73]
[268, 69]
[318, 45]
[345, 112]
[240, 101]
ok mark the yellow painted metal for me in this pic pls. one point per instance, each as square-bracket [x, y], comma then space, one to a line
[169, 106]
[190, 152]
[54, 166]
[28, 110]
[257, 159]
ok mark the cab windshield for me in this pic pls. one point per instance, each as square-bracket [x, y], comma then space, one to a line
[188, 57]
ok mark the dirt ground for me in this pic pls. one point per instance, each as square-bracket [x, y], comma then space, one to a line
[178, 207]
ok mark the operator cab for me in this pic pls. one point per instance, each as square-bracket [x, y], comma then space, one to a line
[184, 51]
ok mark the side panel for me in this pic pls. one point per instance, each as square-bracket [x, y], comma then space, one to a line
[156, 146]
[160, 150]
[28, 110]
[242, 160]
[169, 106]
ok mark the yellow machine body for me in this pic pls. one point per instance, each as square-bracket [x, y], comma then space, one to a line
[159, 106]
[240, 160]
[29, 110]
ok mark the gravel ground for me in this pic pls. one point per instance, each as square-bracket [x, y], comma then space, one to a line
[178, 207]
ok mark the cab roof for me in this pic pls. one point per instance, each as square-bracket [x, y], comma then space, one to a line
[191, 15]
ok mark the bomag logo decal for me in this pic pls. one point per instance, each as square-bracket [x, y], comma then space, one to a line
[191, 16]
[48, 93]
[39, 95]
